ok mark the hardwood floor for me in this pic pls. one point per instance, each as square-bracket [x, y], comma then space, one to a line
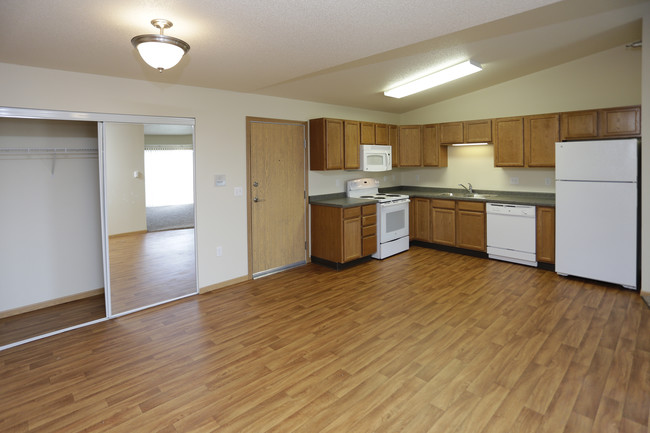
[49, 319]
[425, 341]
[147, 268]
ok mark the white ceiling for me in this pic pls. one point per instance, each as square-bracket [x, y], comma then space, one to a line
[331, 51]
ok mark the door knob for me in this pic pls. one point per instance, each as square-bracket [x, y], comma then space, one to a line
[255, 184]
[255, 199]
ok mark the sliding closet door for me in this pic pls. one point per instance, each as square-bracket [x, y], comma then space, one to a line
[51, 265]
[151, 241]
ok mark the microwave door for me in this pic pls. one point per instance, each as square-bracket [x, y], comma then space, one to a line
[377, 162]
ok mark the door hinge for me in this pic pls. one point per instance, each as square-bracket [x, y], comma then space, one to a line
[305, 245]
[304, 144]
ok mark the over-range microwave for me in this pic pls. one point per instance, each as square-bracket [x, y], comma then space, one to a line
[376, 157]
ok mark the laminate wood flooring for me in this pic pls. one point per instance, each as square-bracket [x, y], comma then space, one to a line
[147, 268]
[49, 319]
[425, 341]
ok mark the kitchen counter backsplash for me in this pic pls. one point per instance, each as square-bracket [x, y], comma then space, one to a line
[524, 198]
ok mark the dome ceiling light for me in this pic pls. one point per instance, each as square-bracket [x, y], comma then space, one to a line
[160, 51]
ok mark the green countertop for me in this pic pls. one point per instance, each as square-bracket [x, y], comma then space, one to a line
[523, 198]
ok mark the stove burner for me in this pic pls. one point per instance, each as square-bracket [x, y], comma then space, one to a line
[393, 195]
[367, 196]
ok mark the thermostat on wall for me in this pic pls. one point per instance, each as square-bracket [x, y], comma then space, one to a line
[219, 180]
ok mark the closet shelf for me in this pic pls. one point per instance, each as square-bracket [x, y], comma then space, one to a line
[61, 151]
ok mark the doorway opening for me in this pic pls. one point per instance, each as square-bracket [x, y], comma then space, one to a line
[169, 188]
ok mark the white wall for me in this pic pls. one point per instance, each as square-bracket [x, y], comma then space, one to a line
[125, 194]
[50, 232]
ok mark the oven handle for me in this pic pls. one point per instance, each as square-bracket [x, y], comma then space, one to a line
[394, 203]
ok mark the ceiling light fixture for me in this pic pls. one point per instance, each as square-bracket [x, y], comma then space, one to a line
[437, 78]
[160, 51]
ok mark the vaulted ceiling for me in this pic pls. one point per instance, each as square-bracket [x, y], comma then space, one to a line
[331, 51]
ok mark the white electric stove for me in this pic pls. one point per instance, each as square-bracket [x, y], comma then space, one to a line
[392, 216]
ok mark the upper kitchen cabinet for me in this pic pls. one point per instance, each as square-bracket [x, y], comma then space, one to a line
[352, 139]
[471, 131]
[451, 133]
[410, 146]
[381, 133]
[615, 122]
[579, 125]
[326, 138]
[367, 133]
[620, 122]
[509, 142]
[393, 141]
[478, 131]
[541, 132]
[433, 155]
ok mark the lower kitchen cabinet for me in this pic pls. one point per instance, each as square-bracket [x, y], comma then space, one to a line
[443, 222]
[470, 225]
[341, 235]
[421, 219]
[454, 223]
[545, 239]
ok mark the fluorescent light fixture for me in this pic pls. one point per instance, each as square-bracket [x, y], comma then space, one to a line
[470, 144]
[437, 78]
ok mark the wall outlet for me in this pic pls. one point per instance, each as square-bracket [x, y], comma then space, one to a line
[514, 181]
[547, 181]
[219, 251]
[239, 191]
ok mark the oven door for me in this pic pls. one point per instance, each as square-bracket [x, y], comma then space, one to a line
[392, 220]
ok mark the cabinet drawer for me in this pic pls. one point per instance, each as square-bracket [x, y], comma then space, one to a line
[369, 209]
[351, 212]
[368, 231]
[369, 220]
[471, 205]
[444, 204]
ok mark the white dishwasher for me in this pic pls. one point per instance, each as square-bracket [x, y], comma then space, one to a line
[511, 233]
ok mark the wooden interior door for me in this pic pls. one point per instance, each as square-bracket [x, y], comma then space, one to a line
[277, 195]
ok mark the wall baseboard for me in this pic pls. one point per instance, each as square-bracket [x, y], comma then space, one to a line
[51, 302]
[223, 284]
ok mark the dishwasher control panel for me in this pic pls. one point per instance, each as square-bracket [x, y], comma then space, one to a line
[510, 209]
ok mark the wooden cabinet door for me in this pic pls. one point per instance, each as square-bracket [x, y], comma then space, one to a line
[451, 133]
[381, 133]
[478, 131]
[443, 226]
[430, 146]
[351, 239]
[509, 142]
[367, 133]
[579, 125]
[393, 141]
[540, 135]
[410, 146]
[545, 242]
[421, 219]
[352, 141]
[470, 232]
[620, 122]
[325, 144]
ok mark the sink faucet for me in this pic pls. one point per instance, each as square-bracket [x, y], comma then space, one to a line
[470, 189]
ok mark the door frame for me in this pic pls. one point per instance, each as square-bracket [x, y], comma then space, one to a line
[249, 199]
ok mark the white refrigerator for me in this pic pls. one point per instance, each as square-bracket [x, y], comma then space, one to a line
[596, 210]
